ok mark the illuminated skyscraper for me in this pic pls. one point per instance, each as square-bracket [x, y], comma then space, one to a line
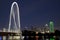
[51, 26]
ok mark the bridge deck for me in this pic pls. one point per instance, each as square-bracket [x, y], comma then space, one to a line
[8, 33]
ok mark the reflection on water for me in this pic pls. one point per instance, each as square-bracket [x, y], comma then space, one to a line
[41, 38]
[30, 38]
[52, 39]
[9, 37]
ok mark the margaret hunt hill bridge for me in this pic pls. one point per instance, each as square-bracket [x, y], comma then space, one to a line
[13, 31]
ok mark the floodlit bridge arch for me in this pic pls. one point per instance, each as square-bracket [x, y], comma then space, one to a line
[14, 15]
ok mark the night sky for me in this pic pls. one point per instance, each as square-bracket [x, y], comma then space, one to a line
[32, 12]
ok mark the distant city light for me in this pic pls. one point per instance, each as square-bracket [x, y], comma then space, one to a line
[36, 32]
[46, 24]
[43, 32]
[47, 31]
[23, 37]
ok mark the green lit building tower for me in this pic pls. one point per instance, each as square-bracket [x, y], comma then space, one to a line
[51, 27]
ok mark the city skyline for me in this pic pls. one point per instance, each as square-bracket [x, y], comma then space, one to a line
[33, 12]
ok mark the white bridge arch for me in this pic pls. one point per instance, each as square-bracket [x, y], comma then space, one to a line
[14, 15]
